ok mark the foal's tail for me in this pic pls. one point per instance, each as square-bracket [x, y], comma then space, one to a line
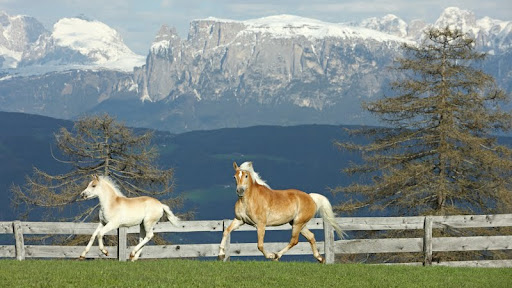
[172, 218]
[323, 206]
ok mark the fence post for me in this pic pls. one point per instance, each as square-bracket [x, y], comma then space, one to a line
[328, 243]
[228, 240]
[122, 245]
[427, 241]
[20, 243]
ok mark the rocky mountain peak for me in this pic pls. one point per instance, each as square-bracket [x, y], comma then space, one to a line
[456, 18]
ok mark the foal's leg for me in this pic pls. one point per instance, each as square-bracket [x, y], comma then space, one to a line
[91, 241]
[293, 241]
[110, 226]
[233, 226]
[142, 235]
[311, 238]
[148, 226]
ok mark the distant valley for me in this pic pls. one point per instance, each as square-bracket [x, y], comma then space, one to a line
[302, 157]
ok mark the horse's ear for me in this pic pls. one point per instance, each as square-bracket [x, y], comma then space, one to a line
[249, 164]
[235, 166]
[95, 177]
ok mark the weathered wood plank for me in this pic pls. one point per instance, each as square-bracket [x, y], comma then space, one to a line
[472, 243]
[470, 221]
[313, 224]
[227, 245]
[381, 223]
[61, 228]
[122, 247]
[477, 263]
[6, 228]
[8, 251]
[251, 249]
[328, 243]
[43, 251]
[179, 251]
[427, 242]
[390, 245]
[20, 243]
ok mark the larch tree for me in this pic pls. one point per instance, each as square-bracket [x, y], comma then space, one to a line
[439, 154]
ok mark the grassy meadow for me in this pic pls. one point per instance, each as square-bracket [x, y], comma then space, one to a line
[193, 273]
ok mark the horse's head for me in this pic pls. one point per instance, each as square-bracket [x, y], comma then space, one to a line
[92, 190]
[243, 180]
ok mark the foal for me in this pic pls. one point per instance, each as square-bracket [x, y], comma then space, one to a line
[119, 211]
[260, 206]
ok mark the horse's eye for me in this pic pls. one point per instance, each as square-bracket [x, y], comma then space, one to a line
[245, 176]
[93, 185]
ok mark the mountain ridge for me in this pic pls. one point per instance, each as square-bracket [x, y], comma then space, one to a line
[282, 70]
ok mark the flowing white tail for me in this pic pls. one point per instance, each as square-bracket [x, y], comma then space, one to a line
[170, 216]
[323, 206]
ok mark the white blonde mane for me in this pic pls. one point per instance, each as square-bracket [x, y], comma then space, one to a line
[247, 166]
[111, 182]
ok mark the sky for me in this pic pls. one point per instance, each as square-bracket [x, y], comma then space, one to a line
[139, 21]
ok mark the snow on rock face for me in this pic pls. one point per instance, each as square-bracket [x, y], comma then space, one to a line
[389, 24]
[17, 33]
[101, 44]
[91, 38]
[74, 43]
[289, 26]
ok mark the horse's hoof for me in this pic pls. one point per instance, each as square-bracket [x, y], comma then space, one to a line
[81, 257]
[105, 252]
[321, 260]
[221, 257]
[131, 256]
[274, 257]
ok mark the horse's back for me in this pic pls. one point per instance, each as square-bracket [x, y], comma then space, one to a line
[285, 206]
[142, 207]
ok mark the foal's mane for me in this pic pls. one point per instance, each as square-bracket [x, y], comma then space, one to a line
[247, 166]
[114, 186]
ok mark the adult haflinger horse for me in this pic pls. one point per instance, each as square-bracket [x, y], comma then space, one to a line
[260, 206]
[119, 211]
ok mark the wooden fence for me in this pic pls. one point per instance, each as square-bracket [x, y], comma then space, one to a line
[426, 244]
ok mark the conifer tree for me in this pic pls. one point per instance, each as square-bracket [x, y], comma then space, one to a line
[439, 154]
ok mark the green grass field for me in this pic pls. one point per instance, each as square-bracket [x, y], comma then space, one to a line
[192, 273]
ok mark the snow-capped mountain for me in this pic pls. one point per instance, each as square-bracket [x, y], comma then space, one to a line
[280, 70]
[491, 35]
[389, 24]
[17, 35]
[73, 43]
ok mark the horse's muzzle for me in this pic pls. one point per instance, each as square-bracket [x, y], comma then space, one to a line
[85, 195]
[240, 191]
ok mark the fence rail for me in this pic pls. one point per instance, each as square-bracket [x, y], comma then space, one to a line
[426, 244]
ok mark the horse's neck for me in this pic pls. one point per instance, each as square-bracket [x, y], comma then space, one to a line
[257, 190]
[109, 197]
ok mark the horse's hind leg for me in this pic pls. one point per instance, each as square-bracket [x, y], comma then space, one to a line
[311, 238]
[148, 226]
[293, 241]
[142, 235]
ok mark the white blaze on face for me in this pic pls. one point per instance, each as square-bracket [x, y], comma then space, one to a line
[240, 175]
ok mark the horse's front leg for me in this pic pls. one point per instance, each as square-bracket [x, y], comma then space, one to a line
[91, 241]
[261, 234]
[233, 226]
[110, 226]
